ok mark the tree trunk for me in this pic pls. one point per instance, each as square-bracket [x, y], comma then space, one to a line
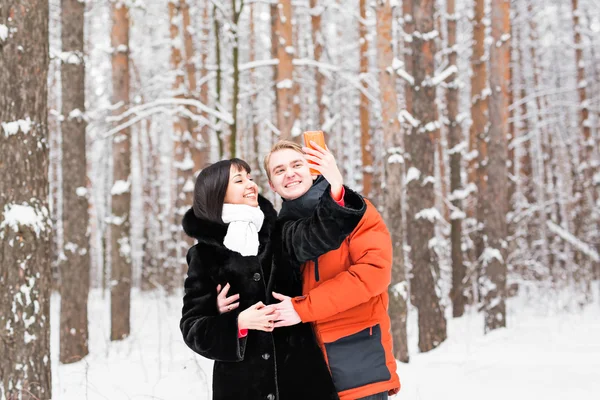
[75, 268]
[201, 147]
[586, 195]
[285, 69]
[182, 163]
[477, 167]
[190, 126]
[526, 171]
[540, 238]
[25, 227]
[394, 161]
[235, 55]
[455, 138]
[409, 28]
[526, 182]
[219, 80]
[317, 39]
[121, 274]
[494, 256]
[257, 171]
[150, 180]
[365, 128]
[512, 179]
[422, 214]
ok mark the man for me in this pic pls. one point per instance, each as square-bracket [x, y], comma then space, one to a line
[344, 292]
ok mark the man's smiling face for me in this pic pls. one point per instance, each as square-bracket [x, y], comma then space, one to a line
[290, 174]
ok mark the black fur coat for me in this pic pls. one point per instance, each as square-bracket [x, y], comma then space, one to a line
[286, 364]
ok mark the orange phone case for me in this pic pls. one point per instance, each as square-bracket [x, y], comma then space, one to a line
[319, 138]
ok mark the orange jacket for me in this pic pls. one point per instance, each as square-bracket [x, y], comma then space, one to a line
[345, 296]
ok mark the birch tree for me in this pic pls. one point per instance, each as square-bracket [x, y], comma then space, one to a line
[25, 226]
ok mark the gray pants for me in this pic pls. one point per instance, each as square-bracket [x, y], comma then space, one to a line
[378, 396]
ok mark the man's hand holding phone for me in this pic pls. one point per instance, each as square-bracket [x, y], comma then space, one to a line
[323, 162]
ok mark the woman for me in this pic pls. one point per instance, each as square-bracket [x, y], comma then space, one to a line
[233, 225]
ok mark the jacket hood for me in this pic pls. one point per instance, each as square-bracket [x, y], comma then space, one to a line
[207, 231]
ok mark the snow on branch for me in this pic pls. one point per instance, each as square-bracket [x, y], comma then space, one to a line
[206, 78]
[220, 6]
[436, 80]
[406, 76]
[223, 115]
[459, 148]
[430, 214]
[133, 121]
[427, 35]
[313, 63]
[272, 127]
[404, 115]
[463, 194]
[258, 64]
[569, 238]
[490, 254]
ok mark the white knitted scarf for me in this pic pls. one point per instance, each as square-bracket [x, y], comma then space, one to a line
[244, 224]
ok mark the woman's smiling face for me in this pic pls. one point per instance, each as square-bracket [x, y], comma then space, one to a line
[241, 188]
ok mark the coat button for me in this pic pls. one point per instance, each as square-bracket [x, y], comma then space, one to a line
[270, 396]
[266, 356]
[256, 277]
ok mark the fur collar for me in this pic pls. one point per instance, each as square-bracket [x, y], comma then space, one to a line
[213, 233]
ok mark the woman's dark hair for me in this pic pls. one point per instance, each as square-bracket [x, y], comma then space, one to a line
[211, 186]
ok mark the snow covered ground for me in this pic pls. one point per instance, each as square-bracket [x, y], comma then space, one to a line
[545, 353]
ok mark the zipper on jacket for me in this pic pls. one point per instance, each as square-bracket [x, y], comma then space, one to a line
[371, 331]
[316, 261]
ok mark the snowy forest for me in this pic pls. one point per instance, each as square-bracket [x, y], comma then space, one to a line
[472, 125]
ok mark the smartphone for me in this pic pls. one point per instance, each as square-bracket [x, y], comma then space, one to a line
[318, 138]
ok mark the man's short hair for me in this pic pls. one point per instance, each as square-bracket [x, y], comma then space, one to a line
[281, 145]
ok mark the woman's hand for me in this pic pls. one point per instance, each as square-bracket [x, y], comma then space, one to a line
[224, 303]
[258, 317]
[324, 162]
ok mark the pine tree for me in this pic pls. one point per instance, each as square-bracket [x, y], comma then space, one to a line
[75, 268]
[25, 226]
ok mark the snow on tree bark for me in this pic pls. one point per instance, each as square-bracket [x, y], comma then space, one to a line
[393, 165]
[493, 259]
[420, 191]
[25, 225]
[455, 137]
[75, 267]
[285, 68]
[365, 128]
[121, 273]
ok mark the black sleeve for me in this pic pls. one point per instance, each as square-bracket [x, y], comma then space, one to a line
[311, 237]
[208, 333]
